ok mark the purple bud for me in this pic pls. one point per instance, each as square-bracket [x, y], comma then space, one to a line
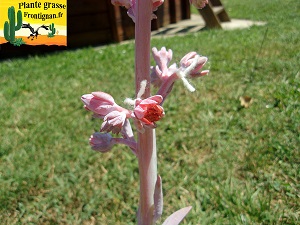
[101, 142]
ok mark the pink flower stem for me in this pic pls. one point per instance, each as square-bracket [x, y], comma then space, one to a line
[167, 85]
[130, 144]
[146, 141]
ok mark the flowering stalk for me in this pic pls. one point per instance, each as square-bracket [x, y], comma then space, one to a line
[146, 141]
[147, 109]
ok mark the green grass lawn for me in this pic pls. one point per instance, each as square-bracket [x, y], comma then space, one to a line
[234, 165]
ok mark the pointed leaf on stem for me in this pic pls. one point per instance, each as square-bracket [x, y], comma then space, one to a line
[158, 199]
[177, 216]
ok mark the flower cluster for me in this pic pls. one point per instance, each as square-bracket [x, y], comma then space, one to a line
[144, 112]
[164, 76]
[131, 6]
[115, 118]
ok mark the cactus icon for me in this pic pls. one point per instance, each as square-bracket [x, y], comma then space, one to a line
[53, 30]
[9, 26]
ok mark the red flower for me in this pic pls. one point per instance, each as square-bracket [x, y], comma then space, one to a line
[148, 110]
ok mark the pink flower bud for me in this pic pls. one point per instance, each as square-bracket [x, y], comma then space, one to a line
[162, 58]
[131, 6]
[161, 72]
[148, 111]
[131, 14]
[196, 61]
[101, 104]
[101, 142]
[114, 122]
[188, 59]
[157, 3]
[199, 4]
